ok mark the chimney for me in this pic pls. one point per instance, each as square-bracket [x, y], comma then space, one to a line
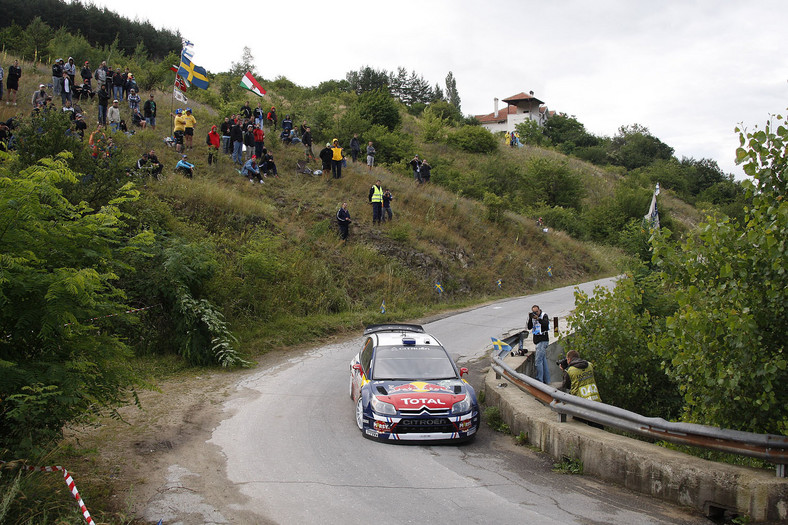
[496, 107]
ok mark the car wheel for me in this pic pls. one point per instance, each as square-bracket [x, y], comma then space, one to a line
[360, 414]
[351, 386]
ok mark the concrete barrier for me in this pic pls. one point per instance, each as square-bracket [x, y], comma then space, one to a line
[716, 489]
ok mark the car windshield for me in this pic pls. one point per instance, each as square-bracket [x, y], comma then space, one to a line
[406, 363]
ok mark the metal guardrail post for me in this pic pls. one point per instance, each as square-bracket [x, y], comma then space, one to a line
[555, 326]
[780, 471]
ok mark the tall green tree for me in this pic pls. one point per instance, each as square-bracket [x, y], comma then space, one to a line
[452, 95]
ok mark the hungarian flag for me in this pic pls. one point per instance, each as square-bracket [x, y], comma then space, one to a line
[248, 82]
[180, 82]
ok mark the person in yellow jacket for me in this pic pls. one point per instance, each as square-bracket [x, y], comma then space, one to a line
[376, 199]
[579, 377]
[336, 159]
[179, 128]
[188, 132]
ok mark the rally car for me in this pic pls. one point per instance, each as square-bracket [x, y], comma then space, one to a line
[406, 387]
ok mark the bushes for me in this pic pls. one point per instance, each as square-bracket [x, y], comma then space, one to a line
[473, 139]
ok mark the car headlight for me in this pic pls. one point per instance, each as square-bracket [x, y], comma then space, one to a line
[461, 406]
[381, 407]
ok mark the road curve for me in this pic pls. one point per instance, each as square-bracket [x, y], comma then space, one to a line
[294, 453]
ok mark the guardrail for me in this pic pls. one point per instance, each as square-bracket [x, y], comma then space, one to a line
[769, 447]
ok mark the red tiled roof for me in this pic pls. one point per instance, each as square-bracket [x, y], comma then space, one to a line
[521, 96]
[502, 114]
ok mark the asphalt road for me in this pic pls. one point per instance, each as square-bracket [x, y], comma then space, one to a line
[294, 455]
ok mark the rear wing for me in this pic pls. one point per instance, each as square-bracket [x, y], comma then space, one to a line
[371, 329]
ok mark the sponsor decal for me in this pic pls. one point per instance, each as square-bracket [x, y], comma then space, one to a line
[419, 386]
[372, 433]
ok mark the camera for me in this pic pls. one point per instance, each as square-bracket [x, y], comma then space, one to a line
[562, 364]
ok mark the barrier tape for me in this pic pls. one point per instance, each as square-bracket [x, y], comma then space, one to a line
[135, 310]
[72, 486]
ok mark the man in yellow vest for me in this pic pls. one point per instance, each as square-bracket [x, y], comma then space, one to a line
[579, 377]
[376, 198]
[336, 159]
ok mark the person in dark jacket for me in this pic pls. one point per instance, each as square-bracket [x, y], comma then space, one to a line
[271, 117]
[86, 73]
[415, 164]
[103, 103]
[118, 83]
[237, 139]
[376, 199]
[306, 138]
[387, 198]
[325, 157]
[539, 323]
[343, 219]
[424, 170]
[249, 141]
[355, 147]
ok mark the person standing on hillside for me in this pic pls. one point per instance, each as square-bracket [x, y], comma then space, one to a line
[336, 159]
[39, 97]
[102, 74]
[71, 68]
[118, 82]
[179, 125]
[355, 147]
[66, 88]
[57, 75]
[86, 74]
[425, 171]
[103, 102]
[113, 116]
[370, 156]
[188, 128]
[237, 140]
[387, 198]
[134, 100]
[259, 140]
[149, 111]
[325, 157]
[213, 141]
[12, 82]
[246, 110]
[539, 323]
[272, 118]
[415, 164]
[259, 115]
[376, 199]
[343, 220]
[306, 138]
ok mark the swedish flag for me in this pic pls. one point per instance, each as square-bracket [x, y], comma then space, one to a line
[500, 347]
[439, 288]
[383, 307]
[193, 74]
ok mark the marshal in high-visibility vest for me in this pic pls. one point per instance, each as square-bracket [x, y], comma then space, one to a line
[579, 377]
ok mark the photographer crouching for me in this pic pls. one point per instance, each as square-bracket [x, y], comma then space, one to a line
[539, 324]
[579, 377]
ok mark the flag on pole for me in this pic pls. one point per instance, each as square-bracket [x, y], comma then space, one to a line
[179, 96]
[500, 347]
[192, 73]
[652, 217]
[439, 288]
[499, 283]
[180, 82]
[248, 82]
[549, 271]
[383, 307]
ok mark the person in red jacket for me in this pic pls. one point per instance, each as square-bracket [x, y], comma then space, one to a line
[272, 117]
[214, 141]
[259, 140]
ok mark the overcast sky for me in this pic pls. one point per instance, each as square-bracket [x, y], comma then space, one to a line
[690, 71]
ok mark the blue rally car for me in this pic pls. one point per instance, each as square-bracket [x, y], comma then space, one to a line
[406, 387]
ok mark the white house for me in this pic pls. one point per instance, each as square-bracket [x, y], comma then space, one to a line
[519, 107]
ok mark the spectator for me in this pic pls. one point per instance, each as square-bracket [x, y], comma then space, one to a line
[325, 157]
[376, 199]
[259, 115]
[86, 73]
[269, 166]
[336, 159]
[355, 147]
[185, 167]
[57, 75]
[306, 138]
[102, 74]
[259, 141]
[130, 85]
[118, 82]
[343, 220]
[415, 164]
[137, 118]
[68, 108]
[80, 125]
[287, 123]
[284, 136]
[149, 112]
[303, 128]
[103, 102]
[252, 170]
[39, 97]
[156, 166]
[272, 117]
[425, 171]
[97, 142]
[246, 111]
[248, 141]
[143, 165]
[387, 198]
[179, 126]
[579, 377]
[225, 131]
[134, 100]
[188, 130]
[294, 137]
[113, 116]
[370, 156]
[237, 139]
[84, 92]
[66, 88]
[12, 82]
[539, 323]
[71, 68]
[213, 141]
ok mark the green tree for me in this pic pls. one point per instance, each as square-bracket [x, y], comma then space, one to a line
[473, 139]
[532, 133]
[452, 95]
[378, 107]
[562, 129]
[634, 147]
[60, 356]
[368, 79]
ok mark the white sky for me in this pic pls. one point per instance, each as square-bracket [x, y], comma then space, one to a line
[688, 70]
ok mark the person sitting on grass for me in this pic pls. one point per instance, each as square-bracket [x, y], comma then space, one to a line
[269, 166]
[185, 167]
[252, 170]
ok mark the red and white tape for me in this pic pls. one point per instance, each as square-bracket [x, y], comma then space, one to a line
[135, 310]
[71, 486]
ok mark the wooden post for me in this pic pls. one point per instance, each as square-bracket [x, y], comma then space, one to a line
[555, 326]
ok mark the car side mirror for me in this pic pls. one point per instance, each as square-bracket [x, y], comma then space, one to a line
[463, 371]
[357, 368]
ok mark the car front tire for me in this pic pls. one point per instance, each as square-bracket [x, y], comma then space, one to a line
[360, 414]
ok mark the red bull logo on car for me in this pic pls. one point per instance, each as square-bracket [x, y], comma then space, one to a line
[418, 386]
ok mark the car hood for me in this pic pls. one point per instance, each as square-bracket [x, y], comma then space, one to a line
[409, 395]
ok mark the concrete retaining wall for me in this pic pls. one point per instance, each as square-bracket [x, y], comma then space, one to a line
[709, 487]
